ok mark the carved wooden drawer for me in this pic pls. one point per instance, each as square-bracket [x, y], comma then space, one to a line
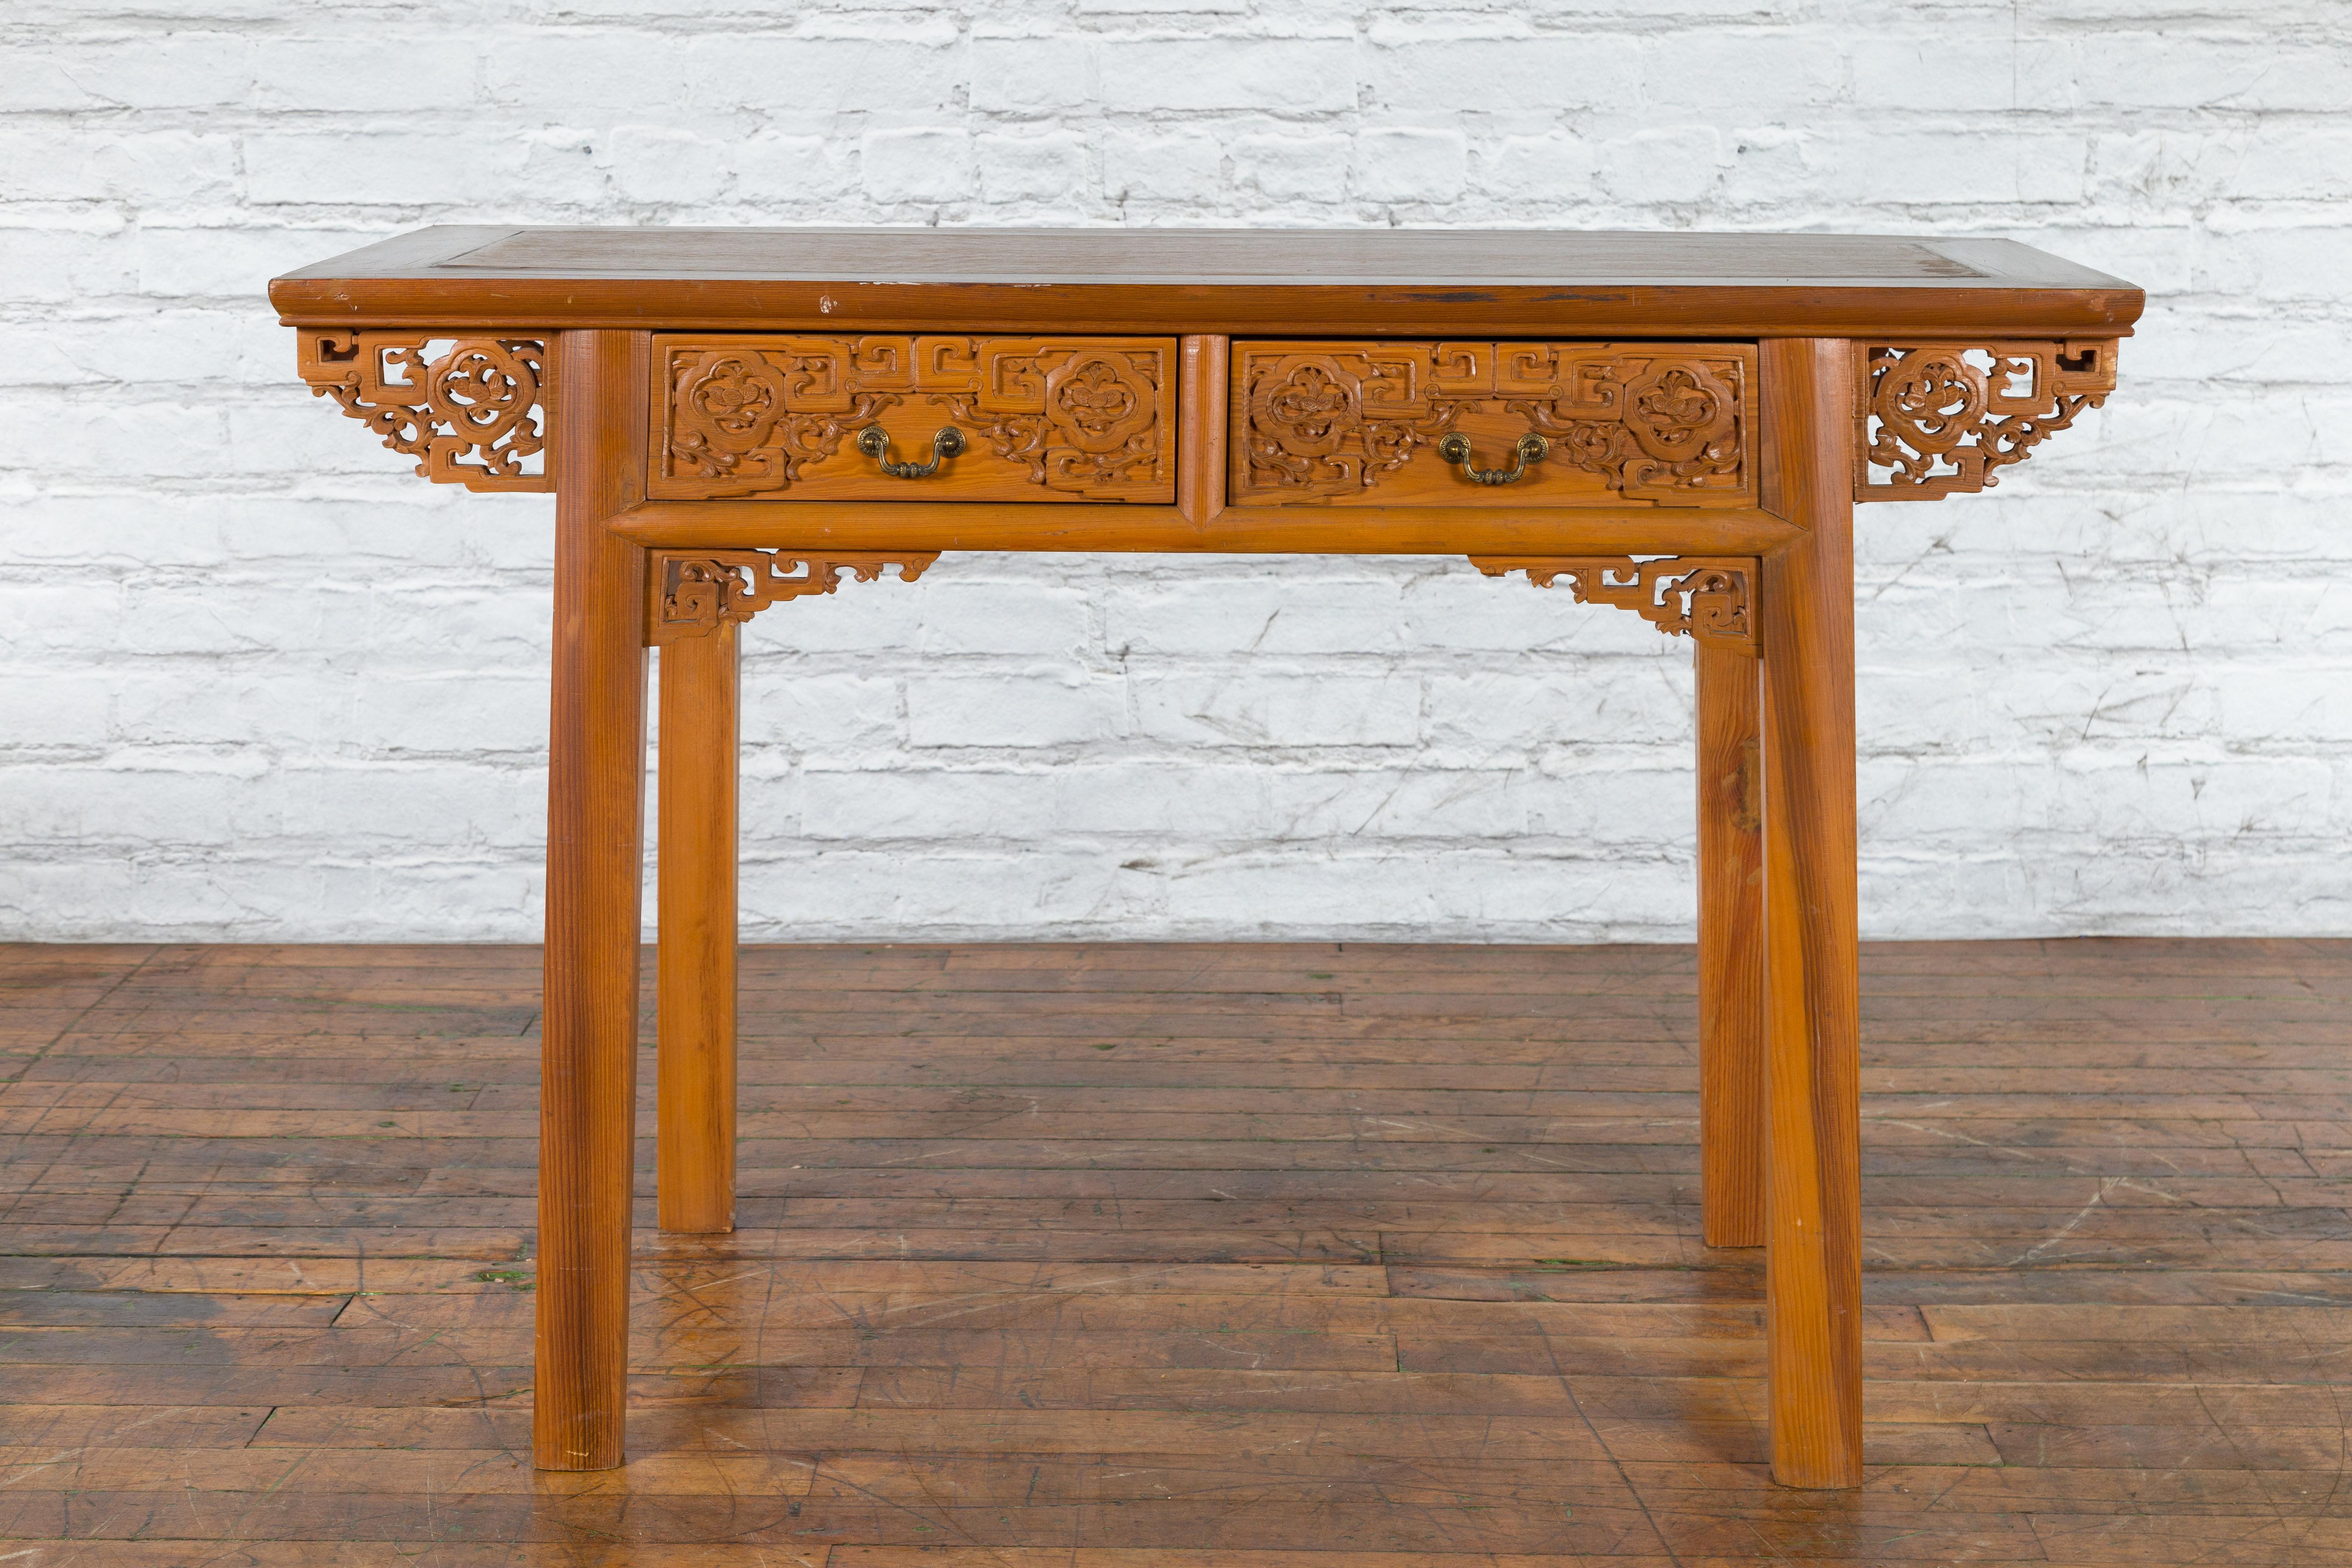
[1497, 424]
[1032, 419]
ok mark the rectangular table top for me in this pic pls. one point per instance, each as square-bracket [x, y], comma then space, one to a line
[1383, 281]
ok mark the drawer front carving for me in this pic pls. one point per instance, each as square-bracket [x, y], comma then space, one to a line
[1034, 420]
[1508, 423]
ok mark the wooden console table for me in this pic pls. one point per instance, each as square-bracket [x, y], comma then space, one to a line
[1676, 424]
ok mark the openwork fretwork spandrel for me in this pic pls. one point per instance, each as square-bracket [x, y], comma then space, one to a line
[467, 408]
[1709, 599]
[694, 592]
[1943, 418]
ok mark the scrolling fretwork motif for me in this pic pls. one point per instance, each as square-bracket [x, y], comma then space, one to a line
[1659, 423]
[747, 416]
[471, 414]
[1709, 599]
[1941, 418]
[690, 593]
[1080, 419]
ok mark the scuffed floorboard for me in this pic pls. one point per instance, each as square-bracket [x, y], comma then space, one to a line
[1218, 1256]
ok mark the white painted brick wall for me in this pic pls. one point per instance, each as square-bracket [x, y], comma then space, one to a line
[259, 682]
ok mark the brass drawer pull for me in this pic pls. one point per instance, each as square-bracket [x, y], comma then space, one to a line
[875, 442]
[1532, 448]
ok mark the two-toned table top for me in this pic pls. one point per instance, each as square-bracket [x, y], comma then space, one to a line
[1172, 280]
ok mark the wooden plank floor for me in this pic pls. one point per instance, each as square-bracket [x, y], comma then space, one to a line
[1176, 1257]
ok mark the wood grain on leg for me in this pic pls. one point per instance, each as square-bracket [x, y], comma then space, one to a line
[1813, 1028]
[700, 682]
[1731, 950]
[595, 807]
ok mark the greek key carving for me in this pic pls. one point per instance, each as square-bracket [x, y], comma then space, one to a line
[1709, 599]
[1329, 423]
[1083, 418]
[752, 420]
[690, 593]
[1665, 423]
[1938, 418]
[1662, 428]
[1087, 418]
[469, 414]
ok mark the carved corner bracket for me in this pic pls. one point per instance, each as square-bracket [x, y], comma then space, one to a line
[1938, 418]
[691, 593]
[467, 408]
[1708, 599]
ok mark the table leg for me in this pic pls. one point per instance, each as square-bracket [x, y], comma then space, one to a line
[700, 688]
[595, 809]
[1731, 950]
[1812, 1025]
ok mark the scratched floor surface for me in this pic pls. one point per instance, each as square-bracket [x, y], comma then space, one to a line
[1175, 1257]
